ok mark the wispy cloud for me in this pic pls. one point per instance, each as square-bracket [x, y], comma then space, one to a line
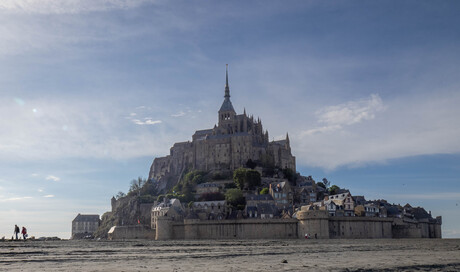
[146, 122]
[431, 196]
[352, 112]
[369, 131]
[14, 198]
[66, 6]
[179, 114]
[451, 233]
[53, 178]
[48, 196]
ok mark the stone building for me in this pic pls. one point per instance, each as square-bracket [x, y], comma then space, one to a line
[227, 146]
[84, 226]
[282, 194]
[210, 210]
[346, 200]
[169, 208]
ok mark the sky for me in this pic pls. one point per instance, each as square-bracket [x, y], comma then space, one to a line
[91, 91]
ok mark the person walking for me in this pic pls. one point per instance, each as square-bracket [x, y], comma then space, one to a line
[24, 233]
[16, 231]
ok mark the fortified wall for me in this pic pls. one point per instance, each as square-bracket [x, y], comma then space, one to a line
[316, 223]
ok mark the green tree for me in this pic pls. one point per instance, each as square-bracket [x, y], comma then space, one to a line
[264, 191]
[235, 198]
[334, 189]
[320, 184]
[187, 191]
[149, 188]
[246, 178]
[136, 186]
[120, 195]
[289, 174]
[196, 177]
[239, 177]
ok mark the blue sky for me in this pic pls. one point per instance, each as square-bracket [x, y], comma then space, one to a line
[92, 90]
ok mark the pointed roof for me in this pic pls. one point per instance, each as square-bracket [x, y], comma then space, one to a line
[227, 89]
[227, 104]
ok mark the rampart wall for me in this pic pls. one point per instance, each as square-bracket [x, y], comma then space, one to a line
[131, 232]
[317, 224]
[360, 227]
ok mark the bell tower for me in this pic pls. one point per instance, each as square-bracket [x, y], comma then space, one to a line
[226, 112]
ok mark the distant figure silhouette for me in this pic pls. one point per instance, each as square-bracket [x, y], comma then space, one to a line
[16, 231]
[24, 233]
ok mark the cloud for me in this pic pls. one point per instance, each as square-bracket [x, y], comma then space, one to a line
[431, 196]
[95, 129]
[53, 178]
[14, 198]
[67, 6]
[146, 122]
[367, 131]
[451, 233]
[48, 196]
[352, 112]
[179, 114]
[40, 190]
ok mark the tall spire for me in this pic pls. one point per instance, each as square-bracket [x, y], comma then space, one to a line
[227, 89]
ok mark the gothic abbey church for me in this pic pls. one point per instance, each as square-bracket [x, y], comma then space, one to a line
[228, 146]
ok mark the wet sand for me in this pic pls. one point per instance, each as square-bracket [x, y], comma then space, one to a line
[232, 255]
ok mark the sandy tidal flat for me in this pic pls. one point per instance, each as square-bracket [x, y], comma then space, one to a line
[232, 255]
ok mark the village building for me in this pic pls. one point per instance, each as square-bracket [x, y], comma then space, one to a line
[282, 194]
[210, 210]
[371, 210]
[85, 225]
[170, 208]
[260, 206]
[346, 200]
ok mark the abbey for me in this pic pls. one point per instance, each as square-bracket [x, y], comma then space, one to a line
[236, 139]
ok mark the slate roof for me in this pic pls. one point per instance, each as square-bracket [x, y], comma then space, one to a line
[266, 208]
[86, 218]
[227, 105]
[259, 197]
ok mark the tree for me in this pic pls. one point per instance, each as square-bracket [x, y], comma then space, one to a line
[120, 195]
[136, 185]
[239, 177]
[326, 183]
[253, 179]
[264, 191]
[251, 164]
[196, 177]
[149, 188]
[246, 178]
[289, 174]
[320, 184]
[212, 196]
[235, 197]
[334, 189]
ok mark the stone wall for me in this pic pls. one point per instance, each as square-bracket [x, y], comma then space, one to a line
[412, 229]
[315, 223]
[360, 227]
[230, 229]
[131, 232]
